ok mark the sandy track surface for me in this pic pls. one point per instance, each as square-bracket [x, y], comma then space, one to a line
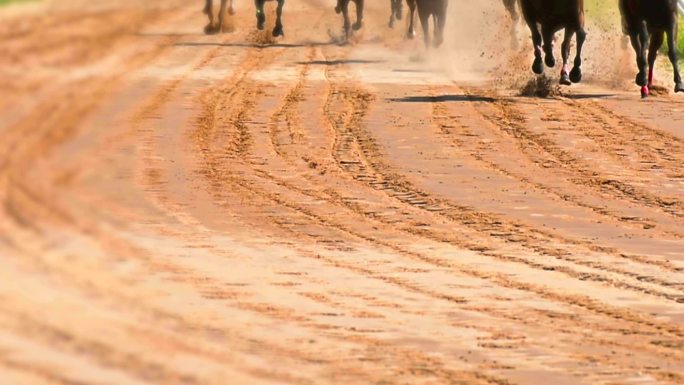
[189, 209]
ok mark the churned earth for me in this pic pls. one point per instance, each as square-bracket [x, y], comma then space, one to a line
[178, 208]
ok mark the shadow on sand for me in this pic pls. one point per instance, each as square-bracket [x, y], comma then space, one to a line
[337, 62]
[442, 98]
[588, 96]
[254, 45]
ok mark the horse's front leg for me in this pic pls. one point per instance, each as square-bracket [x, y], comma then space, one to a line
[222, 15]
[576, 73]
[565, 54]
[411, 33]
[359, 15]
[261, 17]
[278, 29]
[209, 11]
[672, 54]
[547, 35]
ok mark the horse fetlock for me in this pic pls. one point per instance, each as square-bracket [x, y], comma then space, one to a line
[358, 25]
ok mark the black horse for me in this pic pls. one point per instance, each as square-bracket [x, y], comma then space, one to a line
[343, 7]
[554, 15]
[261, 16]
[657, 18]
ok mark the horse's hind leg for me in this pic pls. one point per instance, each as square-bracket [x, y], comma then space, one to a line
[209, 11]
[261, 17]
[411, 33]
[576, 73]
[672, 53]
[346, 28]
[565, 54]
[359, 15]
[425, 23]
[278, 29]
[656, 43]
[231, 9]
[547, 35]
[440, 22]
[538, 65]
[222, 16]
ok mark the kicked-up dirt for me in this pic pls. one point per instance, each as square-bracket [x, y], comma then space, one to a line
[178, 208]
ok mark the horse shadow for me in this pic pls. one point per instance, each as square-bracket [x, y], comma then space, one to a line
[442, 99]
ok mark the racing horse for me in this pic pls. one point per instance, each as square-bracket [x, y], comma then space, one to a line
[209, 11]
[657, 18]
[343, 7]
[553, 16]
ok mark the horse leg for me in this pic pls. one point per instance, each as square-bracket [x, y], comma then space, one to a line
[440, 22]
[411, 33]
[346, 27]
[231, 9]
[261, 17]
[359, 15]
[209, 11]
[278, 29]
[537, 66]
[641, 79]
[399, 9]
[576, 73]
[392, 13]
[672, 54]
[656, 43]
[425, 23]
[547, 35]
[565, 53]
[222, 15]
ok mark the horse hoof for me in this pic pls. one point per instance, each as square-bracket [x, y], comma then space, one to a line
[565, 79]
[391, 24]
[357, 26]
[641, 79]
[679, 87]
[231, 11]
[550, 61]
[278, 31]
[210, 30]
[576, 75]
[537, 66]
[644, 92]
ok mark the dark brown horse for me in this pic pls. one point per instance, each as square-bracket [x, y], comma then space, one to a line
[553, 16]
[343, 7]
[657, 18]
[426, 8]
[209, 11]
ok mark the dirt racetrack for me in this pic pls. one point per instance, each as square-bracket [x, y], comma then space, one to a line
[187, 209]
